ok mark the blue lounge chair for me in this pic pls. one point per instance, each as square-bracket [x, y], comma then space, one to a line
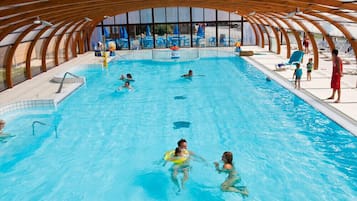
[296, 57]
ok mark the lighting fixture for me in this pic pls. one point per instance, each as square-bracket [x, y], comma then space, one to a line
[87, 19]
[251, 13]
[37, 21]
[43, 22]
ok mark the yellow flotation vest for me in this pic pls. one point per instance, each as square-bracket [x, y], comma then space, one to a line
[170, 156]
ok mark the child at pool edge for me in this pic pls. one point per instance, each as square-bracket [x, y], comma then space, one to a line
[309, 66]
[297, 76]
[232, 178]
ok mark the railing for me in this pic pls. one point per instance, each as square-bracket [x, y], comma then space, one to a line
[44, 124]
[64, 77]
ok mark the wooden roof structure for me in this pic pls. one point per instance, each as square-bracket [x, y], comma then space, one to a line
[20, 16]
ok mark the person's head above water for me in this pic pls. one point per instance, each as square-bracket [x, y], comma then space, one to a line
[227, 157]
[182, 144]
[190, 72]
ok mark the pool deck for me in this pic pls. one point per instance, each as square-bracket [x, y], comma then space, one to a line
[315, 91]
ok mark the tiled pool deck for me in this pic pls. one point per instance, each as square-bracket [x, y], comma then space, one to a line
[315, 91]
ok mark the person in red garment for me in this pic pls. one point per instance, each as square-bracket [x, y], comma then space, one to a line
[336, 76]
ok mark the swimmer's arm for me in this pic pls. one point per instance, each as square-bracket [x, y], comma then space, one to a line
[216, 164]
[197, 156]
[164, 163]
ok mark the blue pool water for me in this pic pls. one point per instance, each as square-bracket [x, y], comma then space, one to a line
[110, 142]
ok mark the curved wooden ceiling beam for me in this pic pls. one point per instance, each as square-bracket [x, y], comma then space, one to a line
[266, 31]
[77, 28]
[343, 29]
[277, 38]
[261, 38]
[15, 11]
[266, 6]
[29, 51]
[287, 40]
[254, 30]
[11, 53]
[313, 42]
[50, 13]
[275, 3]
[59, 39]
[55, 19]
[322, 30]
[297, 37]
[46, 44]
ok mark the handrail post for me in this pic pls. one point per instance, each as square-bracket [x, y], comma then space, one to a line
[64, 77]
[33, 126]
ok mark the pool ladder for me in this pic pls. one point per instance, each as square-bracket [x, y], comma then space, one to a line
[63, 79]
[44, 124]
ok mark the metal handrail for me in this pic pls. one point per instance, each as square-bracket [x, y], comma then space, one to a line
[64, 77]
[33, 126]
[44, 124]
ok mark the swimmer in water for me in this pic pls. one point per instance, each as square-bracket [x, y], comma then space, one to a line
[233, 178]
[188, 75]
[180, 159]
[126, 86]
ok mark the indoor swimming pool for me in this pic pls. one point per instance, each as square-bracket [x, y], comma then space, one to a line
[101, 143]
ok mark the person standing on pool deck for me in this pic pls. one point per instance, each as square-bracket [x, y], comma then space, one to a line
[233, 177]
[297, 75]
[309, 66]
[336, 76]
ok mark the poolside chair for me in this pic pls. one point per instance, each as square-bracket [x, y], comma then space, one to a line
[296, 57]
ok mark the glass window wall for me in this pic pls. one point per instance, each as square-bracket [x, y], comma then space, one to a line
[210, 15]
[120, 19]
[184, 14]
[134, 17]
[235, 33]
[223, 16]
[172, 14]
[146, 16]
[159, 15]
[210, 34]
[160, 32]
[197, 14]
[163, 27]
[223, 34]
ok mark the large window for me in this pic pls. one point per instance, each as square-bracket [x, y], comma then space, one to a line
[146, 16]
[159, 15]
[172, 14]
[163, 27]
[197, 14]
[134, 17]
[184, 14]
